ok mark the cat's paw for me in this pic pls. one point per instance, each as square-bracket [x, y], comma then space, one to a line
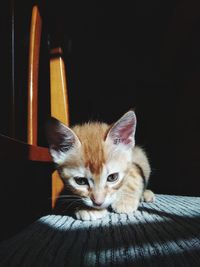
[90, 215]
[126, 207]
[148, 196]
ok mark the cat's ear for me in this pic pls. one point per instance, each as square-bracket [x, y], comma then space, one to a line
[123, 131]
[61, 139]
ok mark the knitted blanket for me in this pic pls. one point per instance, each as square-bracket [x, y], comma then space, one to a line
[164, 233]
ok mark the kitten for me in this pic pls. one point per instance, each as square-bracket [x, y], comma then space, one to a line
[102, 165]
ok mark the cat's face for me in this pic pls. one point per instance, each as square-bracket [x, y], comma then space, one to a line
[93, 158]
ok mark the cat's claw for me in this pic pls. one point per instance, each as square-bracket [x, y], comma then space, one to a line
[90, 215]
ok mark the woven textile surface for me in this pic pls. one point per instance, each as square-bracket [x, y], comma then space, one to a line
[163, 233]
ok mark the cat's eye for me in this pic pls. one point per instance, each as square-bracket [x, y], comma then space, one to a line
[113, 177]
[81, 180]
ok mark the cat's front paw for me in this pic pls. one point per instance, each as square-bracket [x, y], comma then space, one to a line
[126, 207]
[148, 196]
[90, 215]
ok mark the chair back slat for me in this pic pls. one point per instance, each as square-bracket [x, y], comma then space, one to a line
[59, 105]
[33, 69]
[58, 90]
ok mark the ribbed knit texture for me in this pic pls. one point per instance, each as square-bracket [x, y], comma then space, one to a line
[164, 233]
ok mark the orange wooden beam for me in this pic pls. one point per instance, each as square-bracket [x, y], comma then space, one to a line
[59, 105]
[12, 149]
[34, 50]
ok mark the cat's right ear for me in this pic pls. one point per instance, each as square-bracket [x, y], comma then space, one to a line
[61, 139]
[123, 131]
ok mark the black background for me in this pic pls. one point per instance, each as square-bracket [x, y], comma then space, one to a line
[143, 55]
[119, 55]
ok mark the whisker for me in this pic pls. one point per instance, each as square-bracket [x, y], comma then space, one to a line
[70, 200]
[66, 208]
[67, 196]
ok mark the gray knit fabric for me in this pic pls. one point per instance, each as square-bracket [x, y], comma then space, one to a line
[164, 233]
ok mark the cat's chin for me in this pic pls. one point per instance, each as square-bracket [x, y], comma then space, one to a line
[97, 207]
[107, 203]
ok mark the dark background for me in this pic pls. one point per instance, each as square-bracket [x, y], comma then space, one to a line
[144, 55]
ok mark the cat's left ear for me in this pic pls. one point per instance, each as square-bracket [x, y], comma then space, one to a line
[123, 131]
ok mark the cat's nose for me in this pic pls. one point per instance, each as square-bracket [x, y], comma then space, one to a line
[97, 201]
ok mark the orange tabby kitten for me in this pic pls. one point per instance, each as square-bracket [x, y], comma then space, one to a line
[102, 165]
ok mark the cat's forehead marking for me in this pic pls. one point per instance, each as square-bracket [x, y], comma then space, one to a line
[92, 136]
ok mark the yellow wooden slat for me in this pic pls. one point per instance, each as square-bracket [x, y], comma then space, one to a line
[33, 69]
[59, 105]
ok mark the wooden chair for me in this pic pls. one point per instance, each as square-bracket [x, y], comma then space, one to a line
[58, 90]
[29, 166]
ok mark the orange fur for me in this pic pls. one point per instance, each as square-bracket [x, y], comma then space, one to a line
[96, 151]
[91, 136]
